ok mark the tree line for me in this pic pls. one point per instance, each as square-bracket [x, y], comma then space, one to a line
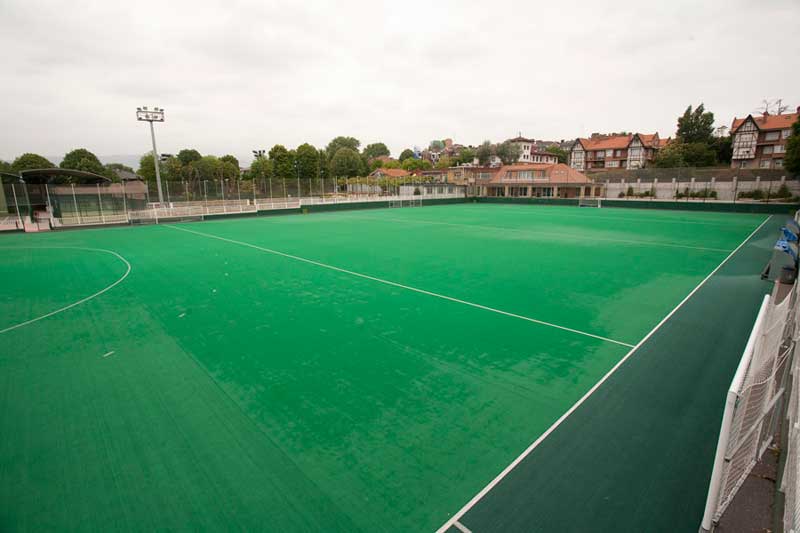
[77, 159]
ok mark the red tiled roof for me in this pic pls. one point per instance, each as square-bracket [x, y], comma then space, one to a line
[606, 143]
[619, 142]
[768, 122]
[555, 173]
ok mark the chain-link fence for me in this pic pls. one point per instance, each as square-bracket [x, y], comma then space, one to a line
[42, 206]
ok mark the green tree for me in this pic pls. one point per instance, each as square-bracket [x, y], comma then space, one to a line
[696, 126]
[346, 162]
[508, 152]
[5, 166]
[188, 156]
[209, 167]
[484, 153]
[443, 163]
[146, 168]
[405, 154]
[228, 170]
[324, 167]
[230, 159]
[678, 154]
[436, 146]
[83, 160]
[118, 166]
[417, 164]
[466, 156]
[307, 161]
[282, 162]
[261, 168]
[557, 151]
[375, 150]
[723, 149]
[342, 142]
[792, 158]
[30, 162]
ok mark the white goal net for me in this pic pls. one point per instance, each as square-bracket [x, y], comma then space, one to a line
[754, 402]
[590, 202]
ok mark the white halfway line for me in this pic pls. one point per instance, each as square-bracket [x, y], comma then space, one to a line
[399, 285]
[82, 300]
[470, 504]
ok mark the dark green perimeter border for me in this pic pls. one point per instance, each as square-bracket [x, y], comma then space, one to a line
[636, 456]
[722, 207]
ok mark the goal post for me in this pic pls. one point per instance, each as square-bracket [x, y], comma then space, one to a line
[590, 202]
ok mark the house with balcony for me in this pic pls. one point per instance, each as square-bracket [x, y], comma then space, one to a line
[626, 152]
[528, 152]
[760, 141]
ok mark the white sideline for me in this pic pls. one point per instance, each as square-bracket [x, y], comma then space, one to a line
[470, 504]
[544, 233]
[399, 285]
[82, 300]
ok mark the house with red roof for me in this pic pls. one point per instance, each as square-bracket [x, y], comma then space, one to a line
[389, 173]
[536, 180]
[627, 152]
[760, 142]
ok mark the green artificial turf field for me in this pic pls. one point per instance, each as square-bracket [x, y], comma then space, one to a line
[364, 370]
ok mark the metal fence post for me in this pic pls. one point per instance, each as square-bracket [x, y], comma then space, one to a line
[100, 204]
[75, 203]
[125, 202]
[16, 205]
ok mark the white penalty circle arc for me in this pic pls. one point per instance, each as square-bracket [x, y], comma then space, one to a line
[478, 497]
[82, 300]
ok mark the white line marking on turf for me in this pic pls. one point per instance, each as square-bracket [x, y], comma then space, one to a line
[108, 353]
[82, 300]
[461, 527]
[401, 286]
[546, 233]
[470, 504]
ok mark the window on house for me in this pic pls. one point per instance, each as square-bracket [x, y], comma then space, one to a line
[764, 163]
[780, 149]
[771, 136]
[609, 153]
[785, 133]
[766, 150]
[778, 163]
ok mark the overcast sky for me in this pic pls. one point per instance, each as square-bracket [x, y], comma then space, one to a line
[237, 75]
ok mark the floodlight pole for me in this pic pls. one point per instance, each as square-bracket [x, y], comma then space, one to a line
[154, 115]
[155, 162]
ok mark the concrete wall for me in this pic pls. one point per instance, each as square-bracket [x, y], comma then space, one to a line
[726, 190]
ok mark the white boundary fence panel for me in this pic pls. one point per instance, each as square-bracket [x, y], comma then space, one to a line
[754, 402]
